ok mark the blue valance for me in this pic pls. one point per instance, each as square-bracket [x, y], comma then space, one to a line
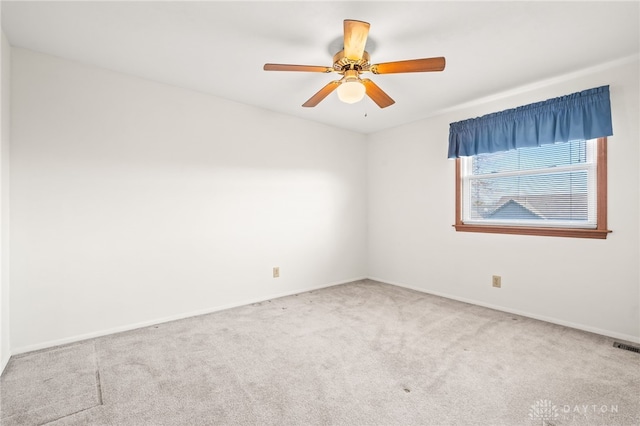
[581, 115]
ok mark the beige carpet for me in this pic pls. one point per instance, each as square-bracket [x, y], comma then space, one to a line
[363, 353]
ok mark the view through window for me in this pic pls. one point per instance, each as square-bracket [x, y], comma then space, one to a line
[550, 186]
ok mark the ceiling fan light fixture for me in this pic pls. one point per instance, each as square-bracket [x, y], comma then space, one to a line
[351, 91]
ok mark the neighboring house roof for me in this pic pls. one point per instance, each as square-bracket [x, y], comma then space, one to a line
[512, 209]
[549, 207]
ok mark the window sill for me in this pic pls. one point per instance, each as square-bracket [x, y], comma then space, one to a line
[547, 232]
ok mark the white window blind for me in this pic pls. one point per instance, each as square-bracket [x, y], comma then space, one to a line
[547, 186]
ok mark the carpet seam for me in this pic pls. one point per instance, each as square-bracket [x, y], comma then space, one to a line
[98, 381]
[98, 390]
[68, 415]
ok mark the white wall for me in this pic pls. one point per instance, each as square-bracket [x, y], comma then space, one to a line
[5, 90]
[134, 202]
[588, 284]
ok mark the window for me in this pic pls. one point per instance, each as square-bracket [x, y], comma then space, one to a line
[538, 169]
[554, 190]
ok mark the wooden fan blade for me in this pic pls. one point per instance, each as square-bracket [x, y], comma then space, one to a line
[412, 65]
[288, 67]
[322, 93]
[377, 94]
[355, 38]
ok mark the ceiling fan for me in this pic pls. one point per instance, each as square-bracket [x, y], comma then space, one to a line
[351, 62]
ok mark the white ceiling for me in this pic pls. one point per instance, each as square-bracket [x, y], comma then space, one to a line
[220, 47]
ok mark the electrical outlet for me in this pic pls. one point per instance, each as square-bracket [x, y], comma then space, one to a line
[276, 272]
[497, 281]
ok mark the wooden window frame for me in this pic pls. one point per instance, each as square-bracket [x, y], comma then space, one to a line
[600, 232]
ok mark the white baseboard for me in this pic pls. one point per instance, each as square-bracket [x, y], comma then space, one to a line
[114, 330]
[583, 327]
[128, 327]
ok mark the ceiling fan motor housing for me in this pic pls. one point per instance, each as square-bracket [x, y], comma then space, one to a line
[341, 63]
